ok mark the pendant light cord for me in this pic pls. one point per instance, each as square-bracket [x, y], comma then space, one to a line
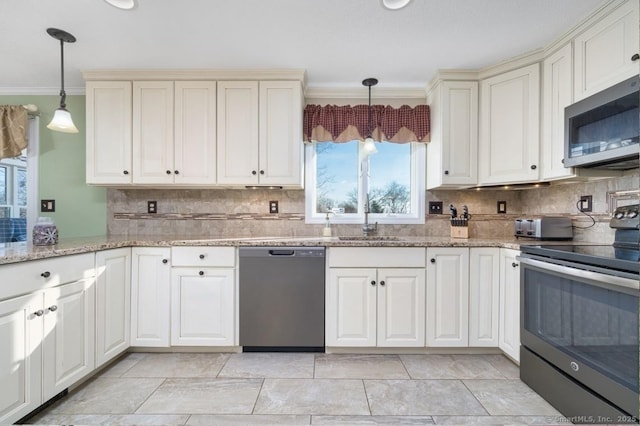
[63, 94]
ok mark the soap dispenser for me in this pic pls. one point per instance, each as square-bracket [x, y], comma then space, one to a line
[326, 231]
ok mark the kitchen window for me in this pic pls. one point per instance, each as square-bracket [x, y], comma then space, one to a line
[340, 175]
[13, 187]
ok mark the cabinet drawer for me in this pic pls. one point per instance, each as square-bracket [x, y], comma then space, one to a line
[203, 256]
[376, 257]
[26, 277]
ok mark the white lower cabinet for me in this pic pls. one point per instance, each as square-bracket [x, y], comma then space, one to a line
[375, 306]
[202, 307]
[448, 296]
[484, 296]
[150, 296]
[510, 304]
[68, 348]
[20, 356]
[462, 296]
[113, 303]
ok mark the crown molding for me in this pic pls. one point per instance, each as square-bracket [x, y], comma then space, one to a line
[40, 91]
[195, 74]
[360, 93]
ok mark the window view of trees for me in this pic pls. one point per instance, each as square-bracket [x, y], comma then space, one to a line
[337, 178]
[13, 187]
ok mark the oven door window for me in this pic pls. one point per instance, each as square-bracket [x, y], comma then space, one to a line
[594, 325]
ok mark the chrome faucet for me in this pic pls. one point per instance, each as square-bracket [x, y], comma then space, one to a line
[367, 228]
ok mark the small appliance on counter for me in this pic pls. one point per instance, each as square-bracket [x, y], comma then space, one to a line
[544, 228]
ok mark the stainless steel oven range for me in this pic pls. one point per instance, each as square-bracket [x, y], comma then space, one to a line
[579, 324]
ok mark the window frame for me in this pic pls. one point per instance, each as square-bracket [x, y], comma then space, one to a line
[418, 168]
[12, 167]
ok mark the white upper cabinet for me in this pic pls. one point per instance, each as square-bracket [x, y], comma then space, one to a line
[452, 152]
[260, 133]
[509, 127]
[153, 132]
[108, 132]
[604, 52]
[557, 94]
[238, 132]
[280, 149]
[195, 133]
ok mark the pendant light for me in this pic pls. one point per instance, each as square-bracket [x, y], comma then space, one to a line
[62, 121]
[369, 143]
[122, 4]
[395, 4]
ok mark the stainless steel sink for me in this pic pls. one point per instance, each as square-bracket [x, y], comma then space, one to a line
[368, 238]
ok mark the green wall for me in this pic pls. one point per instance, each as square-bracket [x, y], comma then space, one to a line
[81, 210]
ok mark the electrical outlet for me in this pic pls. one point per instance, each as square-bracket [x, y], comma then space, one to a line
[47, 206]
[273, 207]
[501, 207]
[152, 207]
[435, 207]
[586, 203]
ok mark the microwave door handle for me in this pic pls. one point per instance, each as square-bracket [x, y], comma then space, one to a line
[608, 282]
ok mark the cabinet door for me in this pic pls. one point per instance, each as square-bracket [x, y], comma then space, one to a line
[202, 307]
[484, 296]
[238, 132]
[109, 132]
[113, 303]
[452, 152]
[150, 296]
[509, 332]
[280, 149]
[603, 53]
[195, 132]
[448, 296]
[351, 307]
[153, 132]
[68, 349]
[401, 307]
[20, 357]
[557, 95]
[509, 133]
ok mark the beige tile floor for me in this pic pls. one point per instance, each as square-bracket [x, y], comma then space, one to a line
[302, 389]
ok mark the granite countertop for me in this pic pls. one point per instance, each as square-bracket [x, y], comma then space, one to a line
[19, 252]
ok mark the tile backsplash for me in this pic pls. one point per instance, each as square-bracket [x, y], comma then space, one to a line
[228, 213]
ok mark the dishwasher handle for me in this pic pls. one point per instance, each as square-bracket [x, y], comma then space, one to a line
[276, 252]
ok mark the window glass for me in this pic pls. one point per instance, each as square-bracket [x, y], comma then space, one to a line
[390, 178]
[3, 185]
[338, 174]
[337, 177]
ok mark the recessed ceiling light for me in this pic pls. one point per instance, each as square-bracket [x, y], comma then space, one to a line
[122, 4]
[395, 4]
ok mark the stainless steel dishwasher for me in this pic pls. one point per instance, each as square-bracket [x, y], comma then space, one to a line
[282, 298]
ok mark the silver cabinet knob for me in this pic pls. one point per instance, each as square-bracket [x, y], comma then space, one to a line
[165, 261]
[515, 265]
[381, 282]
[39, 313]
[201, 273]
[53, 308]
[45, 274]
[373, 283]
[201, 256]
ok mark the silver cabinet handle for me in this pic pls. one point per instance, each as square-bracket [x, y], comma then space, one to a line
[53, 308]
[45, 274]
[39, 313]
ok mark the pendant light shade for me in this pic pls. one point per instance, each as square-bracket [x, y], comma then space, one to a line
[369, 143]
[122, 4]
[62, 121]
[395, 4]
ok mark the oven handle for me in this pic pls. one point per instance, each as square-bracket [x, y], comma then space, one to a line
[608, 280]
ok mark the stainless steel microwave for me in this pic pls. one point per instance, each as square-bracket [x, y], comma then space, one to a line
[602, 131]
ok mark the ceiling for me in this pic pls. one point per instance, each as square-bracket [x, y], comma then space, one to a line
[338, 42]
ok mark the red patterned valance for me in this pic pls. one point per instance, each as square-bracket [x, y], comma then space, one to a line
[332, 123]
